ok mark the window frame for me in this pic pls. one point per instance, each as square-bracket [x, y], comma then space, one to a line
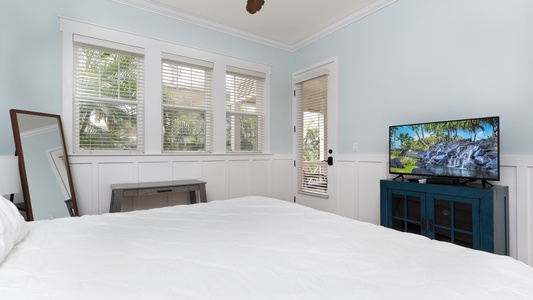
[154, 50]
[86, 95]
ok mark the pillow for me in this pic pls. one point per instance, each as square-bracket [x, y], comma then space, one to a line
[13, 227]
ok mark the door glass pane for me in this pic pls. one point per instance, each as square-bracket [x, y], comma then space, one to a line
[443, 213]
[464, 239]
[463, 216]
[413, 208]
[312, 135]
[443, 235]
[414, 227]
[398, 206]
[398, 224]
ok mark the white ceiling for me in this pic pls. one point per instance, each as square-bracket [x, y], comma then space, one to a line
[286, 24]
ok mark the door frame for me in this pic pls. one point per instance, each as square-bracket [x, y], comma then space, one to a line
[330, 67]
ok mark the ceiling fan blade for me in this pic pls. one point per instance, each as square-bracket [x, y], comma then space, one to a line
[254, 6]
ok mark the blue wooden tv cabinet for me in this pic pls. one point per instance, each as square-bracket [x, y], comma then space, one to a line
[469, 214]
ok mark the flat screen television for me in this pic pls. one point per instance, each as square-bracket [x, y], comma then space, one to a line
[460, 149]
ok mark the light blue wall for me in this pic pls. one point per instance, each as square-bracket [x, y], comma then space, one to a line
[413, 61]
[429, 60]
[30, 56]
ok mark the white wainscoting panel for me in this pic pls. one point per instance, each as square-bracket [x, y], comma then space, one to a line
[508, 177]
[86, 189]
[110, 173]
[154, 171]
[214, 173]
[528, 198]
[347, 204]
[282, 178]
[226, 175]
[358, 186]
[240, 179]
[370, 173]
[517, 173]
[186, 170]
[261, 177]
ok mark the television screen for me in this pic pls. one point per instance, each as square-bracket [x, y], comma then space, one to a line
[467, 148]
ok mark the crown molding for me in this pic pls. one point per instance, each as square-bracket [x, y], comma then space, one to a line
[195, 20]
[360, 14]
[171, 12]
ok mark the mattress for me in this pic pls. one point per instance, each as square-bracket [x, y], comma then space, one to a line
[248, 248]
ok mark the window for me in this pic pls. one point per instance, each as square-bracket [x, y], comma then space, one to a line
[130, 94]
[108, 97]
[186, 105]
[244, 110]
[312, 98]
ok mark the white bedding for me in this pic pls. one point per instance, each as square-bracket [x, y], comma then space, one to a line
[248, 248]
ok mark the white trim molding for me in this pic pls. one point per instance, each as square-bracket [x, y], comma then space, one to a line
[170, 12]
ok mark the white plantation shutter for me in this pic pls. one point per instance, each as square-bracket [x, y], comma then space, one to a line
[186, 102]
[312, 98]
[108, 97]
[245, 110]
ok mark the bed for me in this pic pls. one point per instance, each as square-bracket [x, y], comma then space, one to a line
[244, 248]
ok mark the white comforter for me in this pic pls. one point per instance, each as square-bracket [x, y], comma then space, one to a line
[248, 248]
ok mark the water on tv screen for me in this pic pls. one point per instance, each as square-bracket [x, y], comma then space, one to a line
[466, 148]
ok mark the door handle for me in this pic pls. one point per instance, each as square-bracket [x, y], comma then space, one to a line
[330, 160]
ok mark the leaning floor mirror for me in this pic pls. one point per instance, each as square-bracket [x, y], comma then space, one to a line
[45, 175]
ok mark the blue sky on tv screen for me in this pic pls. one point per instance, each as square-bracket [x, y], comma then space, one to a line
[481, 134]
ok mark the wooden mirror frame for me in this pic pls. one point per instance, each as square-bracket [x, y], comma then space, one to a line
[70, 204]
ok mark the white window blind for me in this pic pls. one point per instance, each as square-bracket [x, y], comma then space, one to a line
[108, 97]
[186, 104]
[245, 110]
[312, 99]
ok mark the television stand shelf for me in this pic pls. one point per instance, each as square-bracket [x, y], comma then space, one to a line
[468, 214]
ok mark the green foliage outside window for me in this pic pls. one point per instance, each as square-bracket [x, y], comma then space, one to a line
[183, 131]
[311, 143]
[107, 92]
[248, 132]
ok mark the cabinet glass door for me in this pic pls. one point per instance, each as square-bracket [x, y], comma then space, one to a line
[453, 219]
[406, 209]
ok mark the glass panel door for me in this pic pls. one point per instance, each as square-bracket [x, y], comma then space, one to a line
[406, 210]
[452, 219]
